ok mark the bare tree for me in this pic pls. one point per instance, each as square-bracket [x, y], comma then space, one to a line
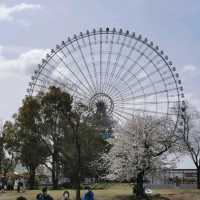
[191, 136]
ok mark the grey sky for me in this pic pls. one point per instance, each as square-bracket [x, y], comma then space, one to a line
[29, 27]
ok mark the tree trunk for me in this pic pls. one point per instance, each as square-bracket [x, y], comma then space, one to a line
[78, 181]
[54, 176]
[32, 178]
[78, 190]
[140, 187]
[198, 178]
[0, 166]
[55, 171]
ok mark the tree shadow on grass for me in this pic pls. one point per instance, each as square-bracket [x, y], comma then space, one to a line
[130, 197]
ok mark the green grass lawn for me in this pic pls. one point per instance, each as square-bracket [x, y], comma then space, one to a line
[114, 192]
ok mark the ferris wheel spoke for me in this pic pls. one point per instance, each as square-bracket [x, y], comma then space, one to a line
[122, 67]
[126, 58]
[120, 88]
[116, 94]
[108, 63]
[121, 115]
[36, 91]
[46, 76]
[149, 86]
[100, 62]
[129, 105]
[159, 72]
[128, 88]
[61, 74]
[53, 81]
[114, 68]
[95, 43]
[117, 98]
[161, 75]
[49, 78]
[118, 119]
[86, 65]
[81, 98]
[120, 94]
[141, 68]
[154, 88]
[123, 110]
[79, 68]
[151, 82]
[93, 62]
[55, 69]
[40, 86]
[73, 73]
[48, 82]
[150, 94]
[144, 78]
[132, 66]
[133, 85]
[134, 75]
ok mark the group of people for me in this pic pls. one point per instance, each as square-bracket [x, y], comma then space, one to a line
[89, 195]
[7, 183]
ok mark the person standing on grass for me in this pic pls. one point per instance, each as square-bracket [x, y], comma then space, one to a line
[89, 195]
[4, 184]
[44, 195]
[9, 184]
[19, 185]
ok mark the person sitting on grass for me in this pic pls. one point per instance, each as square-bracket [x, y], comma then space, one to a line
[65, 196]
[89, 195]
[21, 198]
[43, 195]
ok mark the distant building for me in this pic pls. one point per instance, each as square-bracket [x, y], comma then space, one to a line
[173, 177]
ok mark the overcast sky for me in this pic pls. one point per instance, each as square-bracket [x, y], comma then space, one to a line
[29, 27]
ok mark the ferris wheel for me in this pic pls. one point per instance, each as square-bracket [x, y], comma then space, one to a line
[116, 71]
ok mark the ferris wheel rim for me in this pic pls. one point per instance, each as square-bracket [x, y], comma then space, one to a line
[119, 33]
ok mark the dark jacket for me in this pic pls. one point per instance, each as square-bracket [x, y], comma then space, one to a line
[42, 197]
[88, 196]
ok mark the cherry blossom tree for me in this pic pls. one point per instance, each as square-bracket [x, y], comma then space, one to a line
[139, 148]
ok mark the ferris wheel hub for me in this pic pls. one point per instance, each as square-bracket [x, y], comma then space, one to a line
[101, 103]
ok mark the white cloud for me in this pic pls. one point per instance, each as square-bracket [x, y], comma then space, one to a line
[189, 68]
[7, 13]
[24, 64]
